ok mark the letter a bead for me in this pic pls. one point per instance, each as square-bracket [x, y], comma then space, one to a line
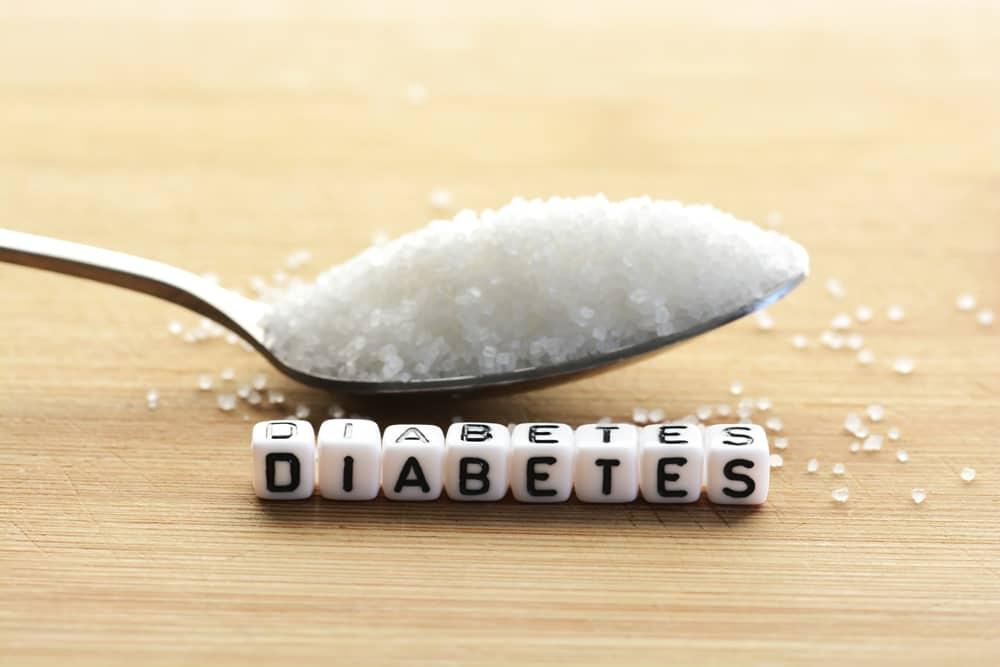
[284, 459]
[739, 467]
[412, 462]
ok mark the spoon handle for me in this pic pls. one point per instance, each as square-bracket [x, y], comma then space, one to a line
[186, 289]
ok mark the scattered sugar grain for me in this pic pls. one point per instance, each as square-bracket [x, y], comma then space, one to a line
[835, 289]
[895, 313]
[855, 446]
[243, 391]
[254, 398]
[852, 422]
[855, 341]
[298, 259]
[838, 469]
[275, 397]
[704, 412]
[863, 314]
[335, 411]
[735, 387]
[438, 295]
[744, 408]
[985, 317]
[227, 374]
[800, 342]
[876, 412]
[893, 433]
[152, 399]
[841, 322]
[302, 411]
[840, 495]
[902, 456]
[640, 415]
[656, 416]
[904, 365]
[175, 328]
[918, 495]
[604, 420]
[774, 219]
[226, 402]
[965, 302]
[781, 443]
[967, 474]
[866, 357]
[764, 320]
[774, 424]
[832, 340]
[812, 466]
[259, 382]
[873, 443]
[205, 382]
[723, 410]
[440, 199]
[764, 403]
[777, 461]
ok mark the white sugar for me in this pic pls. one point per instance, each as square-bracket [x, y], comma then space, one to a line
[835, 289]
[866, 357]
[774, 424]
[723, 410]
[965, 302]
[152, 399]
[777, 461]
[863, 314]
[812, 466]
[895, 313]
[764, 320]
[534, 283]
[175, 328]
[875, 412]
[656, 415]
[302, 411]
[226, 402]
[205, 382]
[873, 443]
[904, 365]
[967, 474]
[841, 322]
[440, 199]
[902, 456]
[781, 443]
[893, 433]
[640, 415]
[800, 342]
[985, 317]
[763, 403]
[735, 387]
[918, 495]
[839, 469]
[840, 495]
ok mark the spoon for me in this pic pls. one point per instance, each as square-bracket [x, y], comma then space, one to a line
[242, 316]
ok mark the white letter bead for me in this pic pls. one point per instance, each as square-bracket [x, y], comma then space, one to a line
[672, 463]
[412, 462]
[284, 459]
[607, 463]
[739, 468]
[541, 462]
[350, 459]
[476, 459]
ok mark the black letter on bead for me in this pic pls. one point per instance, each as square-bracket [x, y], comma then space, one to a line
[541, 429]
[476, 432]
[607, 465]
[348, 473]
[535, 476]
[271, 460]
[662, 476]
[727, 470]
[481, 476]
[741, 432]
[668, 435]
[412, 465]
[606, 432]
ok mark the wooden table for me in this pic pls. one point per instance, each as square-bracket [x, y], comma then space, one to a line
[223, 138]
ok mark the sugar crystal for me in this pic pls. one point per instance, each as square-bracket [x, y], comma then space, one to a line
[205, 382]
[866, 357]
[781, 443]
[895, 313]
[226, 402]
[985, 317]
[967, 474]
[764, 320]
[800, 342]
[812, 466]
[774, 424]
[965, 302]
[838, 469]
[902, 456]
[777, 461]
[875, 412]
[863, 314]
[735, 387]
[903, 365]
[840, 495]
[918, 495]
[302, 411]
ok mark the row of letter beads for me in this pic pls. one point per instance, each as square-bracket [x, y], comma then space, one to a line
[539, 463]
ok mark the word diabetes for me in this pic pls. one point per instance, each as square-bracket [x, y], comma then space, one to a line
[350, 459]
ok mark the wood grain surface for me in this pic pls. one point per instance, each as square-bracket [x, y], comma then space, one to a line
[223, 136]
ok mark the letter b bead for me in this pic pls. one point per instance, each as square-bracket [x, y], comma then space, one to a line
[739, 466]
[476, 460]
[284, 459]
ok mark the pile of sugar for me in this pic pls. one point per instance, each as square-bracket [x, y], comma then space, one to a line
[534, 283]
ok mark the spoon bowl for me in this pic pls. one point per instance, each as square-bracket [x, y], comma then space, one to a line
[242, 316]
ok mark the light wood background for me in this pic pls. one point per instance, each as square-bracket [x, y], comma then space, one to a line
[223, 136]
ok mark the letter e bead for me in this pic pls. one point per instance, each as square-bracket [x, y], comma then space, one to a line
[541, 462]
[671, 463]
[284, 459]
[739, 468]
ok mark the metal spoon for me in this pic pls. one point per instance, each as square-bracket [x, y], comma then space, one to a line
[243, 316]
